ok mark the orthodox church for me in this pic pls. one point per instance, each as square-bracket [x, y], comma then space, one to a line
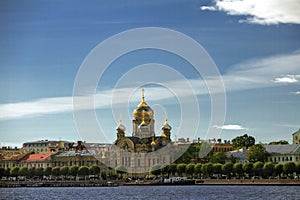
[143, 137]
[138, 153]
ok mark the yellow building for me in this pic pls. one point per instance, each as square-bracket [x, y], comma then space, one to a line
[296, 137]
[46, 146]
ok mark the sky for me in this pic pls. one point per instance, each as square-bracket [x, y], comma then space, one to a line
[254, 45]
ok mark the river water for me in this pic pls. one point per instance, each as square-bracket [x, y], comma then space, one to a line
[154, 192]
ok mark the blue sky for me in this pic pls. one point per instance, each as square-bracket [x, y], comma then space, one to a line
[254, 44]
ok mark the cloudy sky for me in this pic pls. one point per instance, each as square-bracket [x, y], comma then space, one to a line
[254, 44]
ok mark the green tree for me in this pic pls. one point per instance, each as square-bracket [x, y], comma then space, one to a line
[14, 171]
[103, 174]
[164, 170]
[23, 171]
[121, 170]
[298, 168]
[7, 172]
[181, 169]
[198, 168]
[217, 168]
[95, 170]
[243, 141]
[269, 169]
[207, 169]
[56, 171]
[257, 153]
[218, 157]
[172, 168]
[31, 172]
[289, 168]
[2, 172]
[238, 169]
[48, 171]
[248, 168]
[156, 170]
[39, 172]
[227, 169]
[279, 142]
[83, 171]
[189, 169]
[258, 168]
[278, 169]
[73, 170]
[64, 171]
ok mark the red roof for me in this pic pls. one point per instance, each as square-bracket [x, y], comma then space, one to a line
[37, 157]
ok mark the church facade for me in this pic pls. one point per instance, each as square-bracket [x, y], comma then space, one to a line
[138, 153]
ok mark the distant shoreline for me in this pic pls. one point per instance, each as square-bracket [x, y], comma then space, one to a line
[206, 182]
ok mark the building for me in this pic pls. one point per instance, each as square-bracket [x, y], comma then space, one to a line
[46, 146]
[296, 137]
[36, 160]
[142, 150]
[283, 153]
[10, 157]
[240, 155]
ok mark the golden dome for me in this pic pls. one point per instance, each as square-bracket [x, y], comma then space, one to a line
[143, 107]
[166, 125]
[153, 143]
[163, 135]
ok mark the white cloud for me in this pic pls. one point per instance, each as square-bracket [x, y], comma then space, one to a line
[296, 93]
[252, 74]
[286, 79]
[231, 127]
[260, 12]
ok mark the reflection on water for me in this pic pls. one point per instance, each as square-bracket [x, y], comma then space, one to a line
[154, 192]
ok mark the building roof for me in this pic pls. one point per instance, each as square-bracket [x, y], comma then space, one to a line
[82, 153]
[296, 132]
[37, 157]
[282, 148]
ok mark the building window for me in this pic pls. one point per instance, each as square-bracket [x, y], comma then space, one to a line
[149, 162]
[291, 158]
[139, 162]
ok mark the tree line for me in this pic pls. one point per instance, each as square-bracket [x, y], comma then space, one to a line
[229, 170]
[52, 171]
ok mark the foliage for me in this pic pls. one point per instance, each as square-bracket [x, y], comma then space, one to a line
[189, 169]
[56, 171]
[218, 157]
[31, 172]
[248, 168]
[258, 168]
[227, 169]
[257, 153]
[192, 153]
[181, 169]
[23, 171]
[278, 169]
[198, 168]
[73, 170]
[238, 168]
[172, 168]
[298, 168]
[83, 171]
[121, 169]
[279, 142]
[64, 170]
[289, 168]
[48, 171]
[269, 169]
[243, 141]
[217, 168]
[2, 172]
[207, 169]
[14, 171]
[95, 170]
[7, 172]
[103, 175]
